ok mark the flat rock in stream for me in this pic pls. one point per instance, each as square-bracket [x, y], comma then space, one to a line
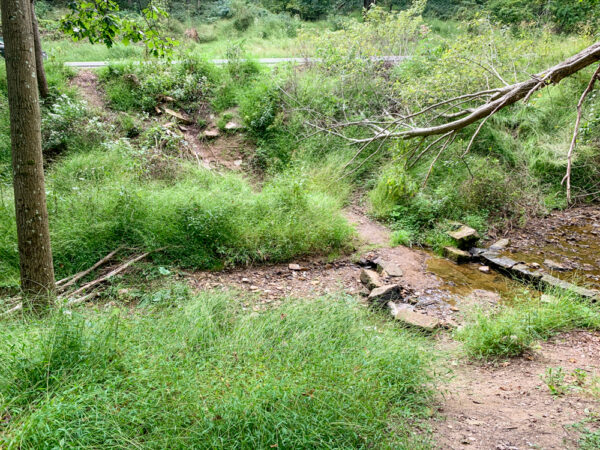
[549, 281]
[500, 245]
[465, 237]
[524, 272]
[457, 255]
[498, 262]
[409, 316]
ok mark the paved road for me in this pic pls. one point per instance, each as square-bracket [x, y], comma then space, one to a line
[266, 61]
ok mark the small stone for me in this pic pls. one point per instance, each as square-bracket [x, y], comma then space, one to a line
[246, 280]
[211, 133]
[465, 237]
[534, 265]
[370, 279]
[232, 126]
[485, 269]
[254, 288]
[384, 294]
[457, 255]
[295, 267]
[553, 265]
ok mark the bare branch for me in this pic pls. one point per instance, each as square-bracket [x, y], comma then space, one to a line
[588, 89]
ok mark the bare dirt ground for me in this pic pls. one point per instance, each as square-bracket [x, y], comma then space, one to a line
[87, 83]
[509, 406]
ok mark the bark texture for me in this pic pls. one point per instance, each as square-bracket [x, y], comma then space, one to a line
[37, 272]
[39, 58]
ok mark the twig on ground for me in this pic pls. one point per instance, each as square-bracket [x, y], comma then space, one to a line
[80, 275]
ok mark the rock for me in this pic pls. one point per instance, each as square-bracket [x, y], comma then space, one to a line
[178, 116]
[388, 267]
[500, 245]
[465, 237]
[413, 318]
[553, 265]
[524, 272]
[456, 255]
[295, 267]
[370, 279]
[485, 269]
[534, 265]
[548, 281]
[246, 280]
[211, 133]
[385, 294]
[233, 126]
[498, 262]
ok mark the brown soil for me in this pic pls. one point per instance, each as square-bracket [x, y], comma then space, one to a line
[87, 83]
[229, 151]
[509, 406]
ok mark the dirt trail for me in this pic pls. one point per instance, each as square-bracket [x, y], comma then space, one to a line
[87, 83]
[509, 406]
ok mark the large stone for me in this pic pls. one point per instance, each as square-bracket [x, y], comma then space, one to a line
[465, 237]
[385, 294]
[211, 133]
[388, 267]
[500, 245]
[548, 281]
[524, 272]
[370, 279]
[457, 255]
[498, 262]
[410, 317]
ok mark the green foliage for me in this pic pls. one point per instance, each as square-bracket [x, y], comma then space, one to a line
[203, 373]
[99, 21]
[513, 329]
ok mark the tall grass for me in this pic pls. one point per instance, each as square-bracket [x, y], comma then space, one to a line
[513, 329]
[320, 374]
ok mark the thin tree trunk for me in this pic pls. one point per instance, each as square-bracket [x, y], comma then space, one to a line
[37, 271]
[368, 3]
[39, 58]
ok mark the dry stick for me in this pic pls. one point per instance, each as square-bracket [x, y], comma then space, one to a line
[85, 298]
[479, 130]
[112, 273]
[589, 89]
[80, 275]
[429, 147]
[448, 141]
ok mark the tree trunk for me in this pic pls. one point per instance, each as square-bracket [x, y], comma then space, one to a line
[368, 3]
[37, 271]
[39, 59]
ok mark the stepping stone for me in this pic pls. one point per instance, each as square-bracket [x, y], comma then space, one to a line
[370, 279]
[457, 255]
[389, 268]
[415, 319]
[485, 269]
[498, 262]
[385, 294]
[500, 245]
[465, 237]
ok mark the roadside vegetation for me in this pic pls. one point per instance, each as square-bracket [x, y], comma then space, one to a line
[158, 365]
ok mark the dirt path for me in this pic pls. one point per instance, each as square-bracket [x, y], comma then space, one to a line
[86, 82]
[509, 406]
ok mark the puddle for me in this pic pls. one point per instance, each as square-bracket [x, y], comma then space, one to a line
[461, 281]
[576, 247]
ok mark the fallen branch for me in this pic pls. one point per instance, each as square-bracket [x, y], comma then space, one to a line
[111, 274]
[80, 275]
[587, 91]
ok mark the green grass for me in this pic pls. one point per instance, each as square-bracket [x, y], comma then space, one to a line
[513, 329]
[202, 373]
